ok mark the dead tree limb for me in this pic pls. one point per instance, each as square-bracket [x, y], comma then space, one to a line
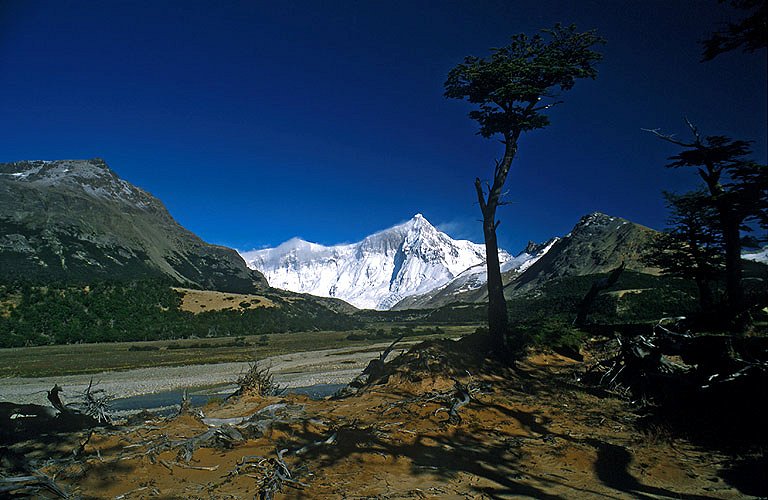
[53, 397]
[461, 398]
[30, 485]
[373, 371]
[97, 404]
[277, 475]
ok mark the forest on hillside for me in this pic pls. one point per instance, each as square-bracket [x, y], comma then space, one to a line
[118, 311]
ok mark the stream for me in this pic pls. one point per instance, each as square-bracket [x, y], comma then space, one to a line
[167, 402]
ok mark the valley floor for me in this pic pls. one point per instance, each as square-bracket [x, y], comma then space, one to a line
[299, 369]
[532, 432]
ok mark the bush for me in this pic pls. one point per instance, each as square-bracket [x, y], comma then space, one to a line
[552, 333]
[258, 380]
[144, 348]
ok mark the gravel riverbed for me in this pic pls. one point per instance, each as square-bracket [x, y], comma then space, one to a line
[300, 369]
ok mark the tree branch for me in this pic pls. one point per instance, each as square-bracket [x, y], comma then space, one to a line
[480, 195]
[694, 130]
[668, 137]
[547, 106]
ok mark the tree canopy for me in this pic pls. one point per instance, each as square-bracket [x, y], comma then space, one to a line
[509, 86]
[512, 89]
[750, 33]
[737, 188]
[692, 246]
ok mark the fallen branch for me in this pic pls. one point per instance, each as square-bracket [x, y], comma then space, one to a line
[30, 484]
[53, 397]
[304, 449]
[170, 465]
[461, 398]
[277, 475]
[373, 371]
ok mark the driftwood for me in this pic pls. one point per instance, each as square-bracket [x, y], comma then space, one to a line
[223, 436]
[229, 432]
[30, 485]
[671, 363]
[374, 371]
[97, 404]
[462, 395]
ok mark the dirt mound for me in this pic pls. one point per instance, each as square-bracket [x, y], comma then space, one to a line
[528, 432]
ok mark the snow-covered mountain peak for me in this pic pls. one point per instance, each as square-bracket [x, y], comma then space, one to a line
[407, 259]
[757, 255]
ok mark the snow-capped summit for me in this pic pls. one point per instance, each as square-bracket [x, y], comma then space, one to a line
[408, 259]
[756, 255]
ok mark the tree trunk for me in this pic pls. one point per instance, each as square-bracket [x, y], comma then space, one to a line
[706, 300]
[730, 223]
[497, 305]
[732, 239]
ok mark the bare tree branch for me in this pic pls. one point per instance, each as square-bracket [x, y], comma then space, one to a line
[668, 137]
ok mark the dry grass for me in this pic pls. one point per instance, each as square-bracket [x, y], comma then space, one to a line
[54, 360]
[197, 301]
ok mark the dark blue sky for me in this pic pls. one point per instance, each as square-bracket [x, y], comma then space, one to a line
[258, 121]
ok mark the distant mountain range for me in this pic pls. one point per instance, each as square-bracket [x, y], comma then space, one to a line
[377, 272]
[77, 220]
[598, 243]
[413, 265]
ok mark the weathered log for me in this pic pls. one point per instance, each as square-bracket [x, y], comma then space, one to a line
[30, 485]
[374, 371]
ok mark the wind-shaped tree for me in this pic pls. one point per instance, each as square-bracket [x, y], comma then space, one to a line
[737, 188]
[512, 89]
[692, 246]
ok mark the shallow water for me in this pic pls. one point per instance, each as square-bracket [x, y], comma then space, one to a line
[166, 401]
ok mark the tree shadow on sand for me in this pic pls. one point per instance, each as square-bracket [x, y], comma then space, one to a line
[495, 456]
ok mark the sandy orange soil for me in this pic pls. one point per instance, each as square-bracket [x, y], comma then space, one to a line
[528, 432]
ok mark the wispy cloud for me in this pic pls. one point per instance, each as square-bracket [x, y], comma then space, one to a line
[460, 229]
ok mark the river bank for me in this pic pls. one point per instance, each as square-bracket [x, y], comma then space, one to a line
[299, 369]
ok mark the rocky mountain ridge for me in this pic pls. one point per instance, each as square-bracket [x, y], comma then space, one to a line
[598, 243]
[78, 220]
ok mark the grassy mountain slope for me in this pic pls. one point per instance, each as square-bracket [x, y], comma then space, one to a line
[76, 220]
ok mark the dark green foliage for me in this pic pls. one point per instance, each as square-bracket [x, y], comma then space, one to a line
[749, 34]
[555, 333]
[97, 262]
[692, 246]
[737, 189]
[144, 348]
[141, 310]
[509, 85]
[511, 90]
[637, 297]
[451, 314]
[395, 332]
[459, 314]
[544, 317]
